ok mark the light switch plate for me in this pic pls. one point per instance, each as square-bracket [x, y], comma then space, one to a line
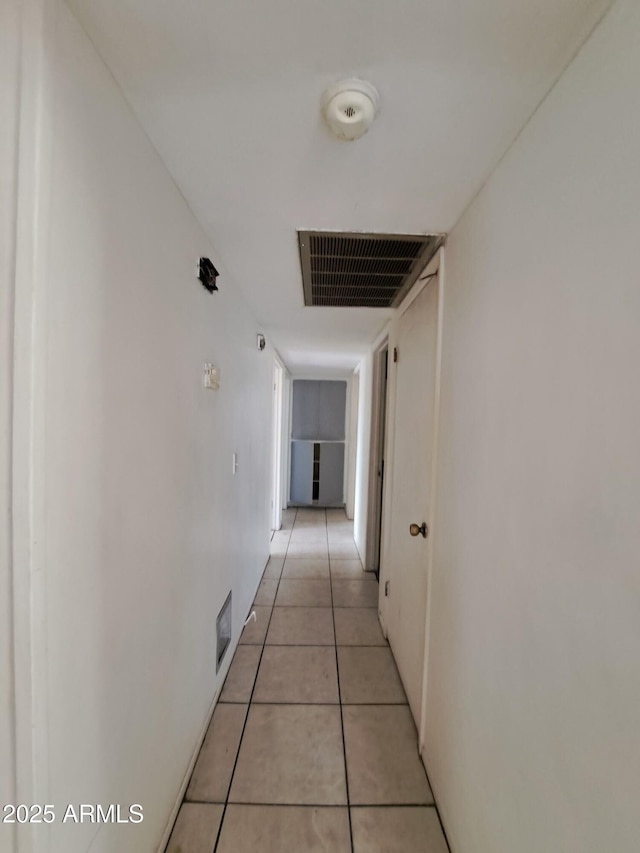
[211, 377]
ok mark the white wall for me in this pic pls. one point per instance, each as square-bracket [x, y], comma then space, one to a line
[9, 60]
[363, 442]
[146, 529]
[287, 397]
[353, 403]
[534, 674]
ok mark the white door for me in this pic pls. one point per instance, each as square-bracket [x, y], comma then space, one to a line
[405, 561]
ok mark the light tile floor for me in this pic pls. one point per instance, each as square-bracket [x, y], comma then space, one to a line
[312, 746]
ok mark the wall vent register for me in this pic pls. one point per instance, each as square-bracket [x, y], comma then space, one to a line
[223, 631]
[353, 270]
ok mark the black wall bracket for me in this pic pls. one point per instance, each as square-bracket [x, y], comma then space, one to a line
[207, 274]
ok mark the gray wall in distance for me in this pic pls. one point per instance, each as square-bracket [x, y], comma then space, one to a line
[319, 409]
[331, 474]
[301, 472]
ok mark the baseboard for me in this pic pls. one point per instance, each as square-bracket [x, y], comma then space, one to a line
[442, 817]
[187, 776]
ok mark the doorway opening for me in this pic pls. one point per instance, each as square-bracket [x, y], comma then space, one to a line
[318, 443]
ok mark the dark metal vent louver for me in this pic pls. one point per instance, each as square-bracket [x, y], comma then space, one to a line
[223, 631]
[362, 270]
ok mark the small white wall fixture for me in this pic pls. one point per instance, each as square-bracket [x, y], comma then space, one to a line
[350, 107]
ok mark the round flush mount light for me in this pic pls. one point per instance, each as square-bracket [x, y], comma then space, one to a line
[350, 107]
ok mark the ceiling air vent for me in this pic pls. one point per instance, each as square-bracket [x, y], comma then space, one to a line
[362, 270]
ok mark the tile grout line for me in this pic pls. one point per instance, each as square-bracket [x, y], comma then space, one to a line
[444, 831]
[323, 704]
[355, 806]
[344, 746]
[320, 645]
[255, 681]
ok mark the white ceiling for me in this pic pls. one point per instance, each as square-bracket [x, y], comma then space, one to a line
[229, 93]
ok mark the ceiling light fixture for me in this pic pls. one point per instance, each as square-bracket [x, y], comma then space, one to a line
[350, 107]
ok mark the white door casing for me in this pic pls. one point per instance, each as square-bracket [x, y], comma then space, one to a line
[276, 441]
[405, 561]
[377, 460]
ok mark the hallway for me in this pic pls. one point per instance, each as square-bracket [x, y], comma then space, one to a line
[318, 752]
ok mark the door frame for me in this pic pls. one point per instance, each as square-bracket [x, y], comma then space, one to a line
[285, 455]
[378, 445]
[351, 439]
[433, 496]
[437, 267]
[24, 393]
[276, 443]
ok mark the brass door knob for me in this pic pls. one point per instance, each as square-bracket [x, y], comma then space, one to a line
[422, 529]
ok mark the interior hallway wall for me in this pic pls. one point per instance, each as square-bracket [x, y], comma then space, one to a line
[352, 420]
[146, 528]
[9, 75]
[534, 672]
[363, 443]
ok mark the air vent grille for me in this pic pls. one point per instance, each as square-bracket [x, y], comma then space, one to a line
[223, 631]
[362, 270]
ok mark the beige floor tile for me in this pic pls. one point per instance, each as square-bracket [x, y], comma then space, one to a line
[273, 569]
[309, 534]
[343, 551]
[212, 773]
[337, 513]
[242, 674]
[393, 830]
[288, 518]
[343, 544]
[309, 523]
[281, 536]
[279, 543]
[369, 676]
[311, 513]
[290, 755]
[266, 592]
[301, 626]
[277, 829]
[350, 593]
[196, 828]
[382, 756]
[341, 533]
[340, 525]
[304, 593]
[297, 674]
[350, 569]
[358, 626]
[308, 549]
[306, 569]
[255, 631]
